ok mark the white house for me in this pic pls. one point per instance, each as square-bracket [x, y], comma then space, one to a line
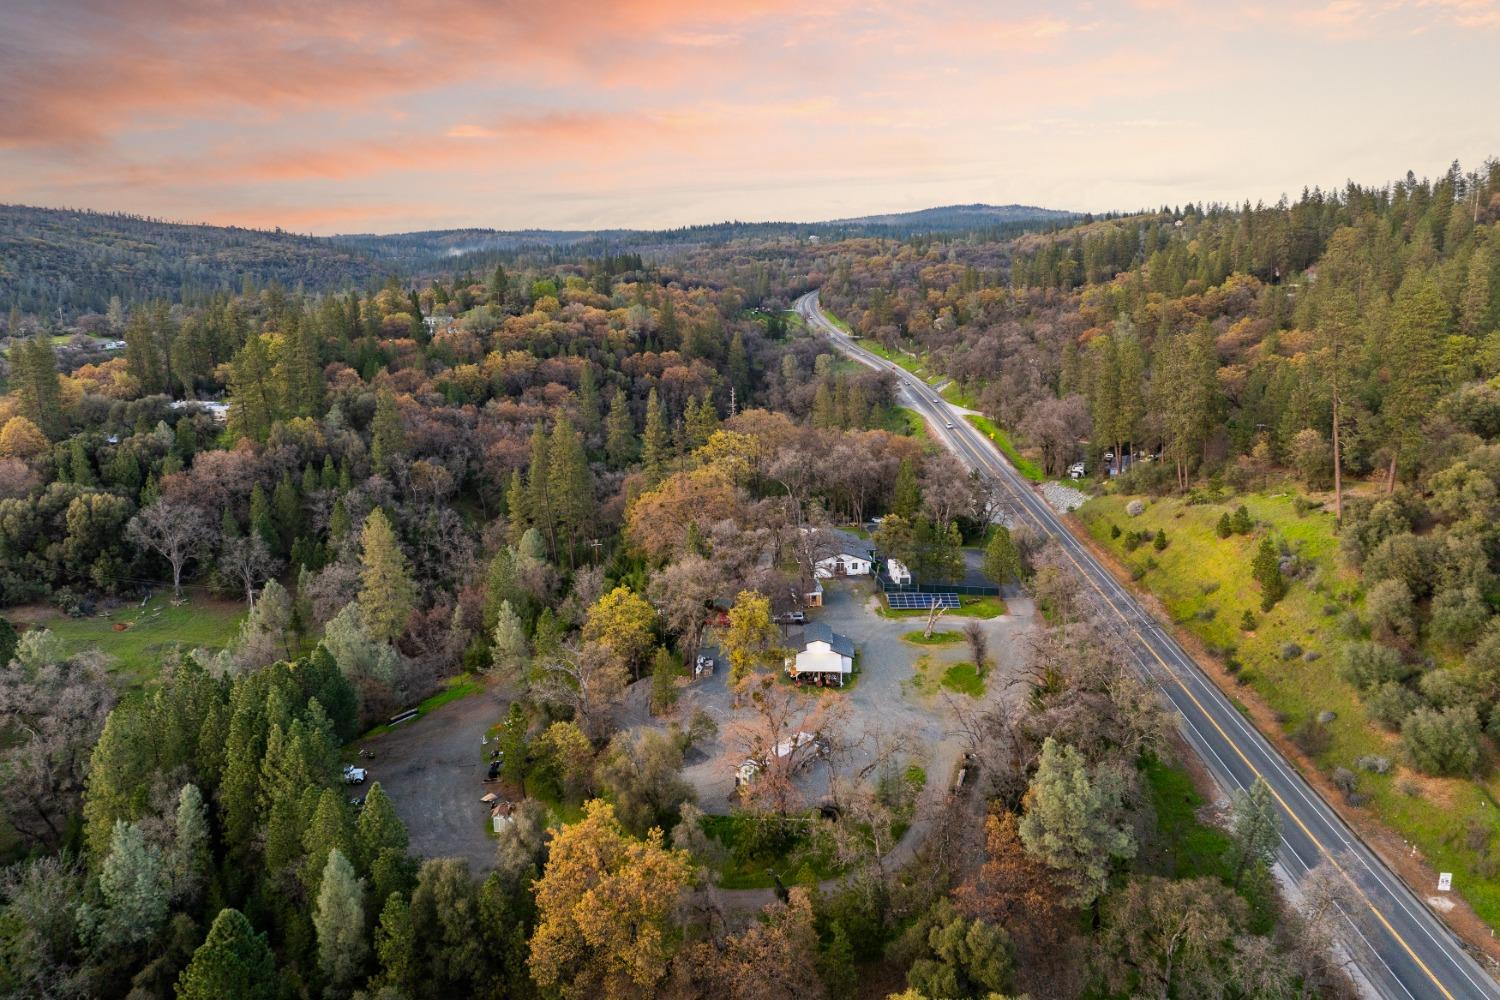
[825, 657]
[843, 564]
[897, 571]
[219, 411]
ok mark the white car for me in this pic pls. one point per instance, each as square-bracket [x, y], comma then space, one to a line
[949, 425]
[354, 775]
[1077, 471]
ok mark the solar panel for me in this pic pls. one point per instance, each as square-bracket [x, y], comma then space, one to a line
[909, 601]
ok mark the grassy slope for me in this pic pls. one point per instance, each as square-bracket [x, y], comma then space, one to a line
[154, 630]
[1199, 574]
[1002, 440]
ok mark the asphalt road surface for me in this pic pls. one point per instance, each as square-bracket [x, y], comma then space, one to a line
[1401, 947]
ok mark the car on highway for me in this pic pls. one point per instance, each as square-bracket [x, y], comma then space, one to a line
[949, 425]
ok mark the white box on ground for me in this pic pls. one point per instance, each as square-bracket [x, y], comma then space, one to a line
[1445, 881]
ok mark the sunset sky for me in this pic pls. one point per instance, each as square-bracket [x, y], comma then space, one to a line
[336, 116]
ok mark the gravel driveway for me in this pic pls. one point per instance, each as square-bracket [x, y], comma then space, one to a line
[432, 770]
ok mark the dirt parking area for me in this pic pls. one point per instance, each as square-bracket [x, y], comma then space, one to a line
[885, 702]
[432, 769]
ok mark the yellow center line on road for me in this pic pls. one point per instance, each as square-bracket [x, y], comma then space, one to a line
[1248, 763]
[1364, 898]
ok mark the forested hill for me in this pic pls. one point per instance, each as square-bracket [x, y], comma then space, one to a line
[77, 260]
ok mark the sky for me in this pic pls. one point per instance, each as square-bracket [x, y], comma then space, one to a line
[329, 116]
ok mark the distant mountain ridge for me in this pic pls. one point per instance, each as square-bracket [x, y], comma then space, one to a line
[76, 260]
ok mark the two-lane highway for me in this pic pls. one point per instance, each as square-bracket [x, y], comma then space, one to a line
[1401, 948]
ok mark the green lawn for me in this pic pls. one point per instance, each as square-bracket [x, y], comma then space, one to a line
[1204, 583]
[454, 688]
[963, 678]
[917, 637]
[755, 845]
[1023, 465]
[970, 606]
[955, 395]
[151, 631]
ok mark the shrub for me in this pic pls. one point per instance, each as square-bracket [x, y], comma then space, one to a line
[1373, 764]
[1368, 664]
[1114, 531]
[1444, 689]
[1312, 737]
[1389, 704]
[1290, 650]
[1225, 527]
[1160, 542]
[1135, 508]
[1247, 621]
[1311, 656]
[1393, 612]
[1445, 743]
[1459, 616]
[1344, 780]
[1405, 557]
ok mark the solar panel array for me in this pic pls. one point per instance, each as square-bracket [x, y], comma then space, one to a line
[911, 601]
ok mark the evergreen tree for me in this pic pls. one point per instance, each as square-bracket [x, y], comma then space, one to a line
[570, 487]
[192, 852]
[1073, 820]
[387, 594]
[508, 647]
[1419, 322]
[906, 497]
[620, 443]
[301, 373]
[340, 922]
[387, 434]
[379, 828]
[1255, 828]
[35, 382]
[1266, 571]
[135, 891]
[329, 830]
[539, 510]
[262, 523]
[233, 963]
[656, 442]
[145, 357]
[252, 399]
[1002, 563]
[396, 944]
[588, 402]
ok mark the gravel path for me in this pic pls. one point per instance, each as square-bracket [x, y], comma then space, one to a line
[1062, 498]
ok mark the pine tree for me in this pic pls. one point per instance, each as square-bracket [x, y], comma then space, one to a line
[134, 888]
[1266, 571]
[145, 359]
[286, 508]
[1255, 828]
[387, 434]
[539, 509]
[620, 443]
[252, 399]
[37, 387]
[396, 944]
[233, 963]
[906, 498]
[1419, 322]
[339, 522]
[387, 594]
[379, 828]
[1002, 563]
[192, 853]
[516, 505]
[656, 441]
[508, 647]
[339, 918]
[588, 402]
[329, 830]
[570, 486]
[301, 373]
[262, 522]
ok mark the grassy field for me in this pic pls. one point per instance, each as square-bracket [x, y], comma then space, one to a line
[1023, 465]
[970, 606]
[964, 679]
[151, 632]
[955, 395]
[916, 637]
[1204, 583]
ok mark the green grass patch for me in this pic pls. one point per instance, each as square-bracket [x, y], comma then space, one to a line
[1002, 440]
[963, 678]
[454, 688]
[1186, 847]
[151, 632]
[1204, 583]
[916, 637]
[756, 846]
[955, 394]
[970, 606]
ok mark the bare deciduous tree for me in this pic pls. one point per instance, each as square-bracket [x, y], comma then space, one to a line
[174, 530]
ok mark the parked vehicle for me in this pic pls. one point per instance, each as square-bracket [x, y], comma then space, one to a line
[357, 801]
[1077, 470]
[354, 775]
[791, 618]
